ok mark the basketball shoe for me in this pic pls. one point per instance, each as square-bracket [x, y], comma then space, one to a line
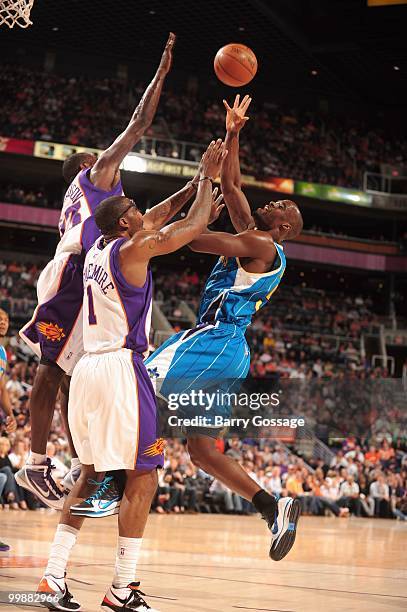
[70, 478]
[61, 598]
[37, 478]
[4, 547]
[104, 502]
[283, 527]
[129, 598]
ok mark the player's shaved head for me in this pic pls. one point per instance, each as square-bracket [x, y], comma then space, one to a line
[109, 212]
[75, 163]
[294, 217]
[283, 217]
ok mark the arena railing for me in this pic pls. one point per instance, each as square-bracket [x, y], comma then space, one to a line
[387, 191]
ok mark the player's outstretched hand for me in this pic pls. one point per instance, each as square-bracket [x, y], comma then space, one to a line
[166, 59]
[236, 116]
[217, 205]
[212, 159]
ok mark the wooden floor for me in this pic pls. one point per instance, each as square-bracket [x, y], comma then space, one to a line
[216, 562]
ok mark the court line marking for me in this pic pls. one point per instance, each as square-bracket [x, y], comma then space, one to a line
[262, 609]
[231, 567]
[287, 571]
[288, 586]
[80, 581]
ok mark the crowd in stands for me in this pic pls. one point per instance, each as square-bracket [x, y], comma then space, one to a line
[293, 341]
[16, 194]
[79, 110]
[18, 287]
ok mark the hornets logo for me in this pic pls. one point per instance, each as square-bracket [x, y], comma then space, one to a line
[157, 448]
[51, 331]
[153, 373]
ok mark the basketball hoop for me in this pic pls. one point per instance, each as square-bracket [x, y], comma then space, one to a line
[16, 12]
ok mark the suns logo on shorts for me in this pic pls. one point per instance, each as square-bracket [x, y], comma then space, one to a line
[51, 331]
[155, 449]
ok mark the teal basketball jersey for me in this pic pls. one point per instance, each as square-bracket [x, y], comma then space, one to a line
[233, 295]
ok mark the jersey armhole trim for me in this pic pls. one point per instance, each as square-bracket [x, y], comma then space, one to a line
[263, 274]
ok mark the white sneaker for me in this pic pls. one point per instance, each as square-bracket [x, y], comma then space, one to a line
[56, 594]
[129, 598]
[70, 478]
[284, 529]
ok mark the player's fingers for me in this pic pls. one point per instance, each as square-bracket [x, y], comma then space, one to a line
[219, 210]
[215, 193]
[219, 200]
[246, 118]
[237, 101]
[218, 146]
[226, 105]
[246, 105]
[210, 147]
[243, 102]
[224, 153]
[171, 39]
[220, 151]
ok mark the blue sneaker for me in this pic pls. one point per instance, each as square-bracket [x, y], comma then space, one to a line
[283, 527]
[105, 502]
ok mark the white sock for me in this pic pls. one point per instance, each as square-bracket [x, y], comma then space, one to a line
[36, 458]
[75, 462]
[128, 551]
[64, 541]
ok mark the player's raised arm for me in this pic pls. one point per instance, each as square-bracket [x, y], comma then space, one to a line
[245, 244]
[236, 201]
[105, 172]
[145, 245]
[162, 213]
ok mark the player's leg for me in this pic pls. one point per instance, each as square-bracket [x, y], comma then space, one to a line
[83, 401]
[53, 580]
[204, 454]
[36, 475]
[281, 516]
[72, 476]
[139, 492]
[55, 335]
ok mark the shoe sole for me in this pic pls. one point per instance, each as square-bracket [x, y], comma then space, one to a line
[50, 606]
[100, 514]
[287, 540]
[23, 482]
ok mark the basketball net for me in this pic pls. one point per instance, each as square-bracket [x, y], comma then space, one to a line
[16, 12]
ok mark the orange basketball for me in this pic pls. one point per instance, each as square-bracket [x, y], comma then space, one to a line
[235, 65]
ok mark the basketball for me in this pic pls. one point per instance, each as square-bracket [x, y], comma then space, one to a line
[235, 65]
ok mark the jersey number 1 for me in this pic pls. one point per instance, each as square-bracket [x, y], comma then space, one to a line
[91, 307]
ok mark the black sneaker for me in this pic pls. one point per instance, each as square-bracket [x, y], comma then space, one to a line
[283, 527]
[104, 502]
[129, 598]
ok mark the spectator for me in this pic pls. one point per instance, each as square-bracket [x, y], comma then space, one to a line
[380, 492]
[349, 496]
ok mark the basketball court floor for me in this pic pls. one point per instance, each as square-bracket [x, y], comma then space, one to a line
[216, 562]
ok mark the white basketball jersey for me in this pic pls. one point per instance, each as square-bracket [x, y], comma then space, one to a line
[115, 314]
[76, 226]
